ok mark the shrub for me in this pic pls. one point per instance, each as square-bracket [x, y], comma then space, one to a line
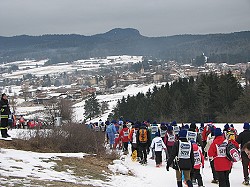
[67, 138]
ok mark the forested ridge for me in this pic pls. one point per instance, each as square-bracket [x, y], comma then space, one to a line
[208, 97]
[231, 48]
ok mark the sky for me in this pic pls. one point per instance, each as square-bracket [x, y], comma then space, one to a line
[151, 18]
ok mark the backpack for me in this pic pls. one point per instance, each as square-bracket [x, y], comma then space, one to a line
[233, 154]
[230, 135]
[143, 136]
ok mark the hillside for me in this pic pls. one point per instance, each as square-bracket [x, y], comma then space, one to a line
[27, 168]
[231, 48]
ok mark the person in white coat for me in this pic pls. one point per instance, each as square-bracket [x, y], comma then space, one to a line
[158, 145]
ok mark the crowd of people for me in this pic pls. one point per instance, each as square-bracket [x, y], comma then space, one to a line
[186, 147]
[9, 120]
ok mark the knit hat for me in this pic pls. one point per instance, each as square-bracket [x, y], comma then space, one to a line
[186, 126]
[226, 127]
[170, 128]
[174, 123]
[210, 121]
[193, 126]
[217, 132]
[183, 134]
[136, 126]
[246, 126]
[3, 95]
[202, 124]
[212, 130]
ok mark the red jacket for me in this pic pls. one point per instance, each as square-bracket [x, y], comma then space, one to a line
[124, 134]
[198, 157]
[221, 162]
[169, 141]
[206, 131]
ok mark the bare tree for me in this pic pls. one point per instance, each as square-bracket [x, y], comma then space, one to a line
[13, 103]
[58, 108]
[65, 109]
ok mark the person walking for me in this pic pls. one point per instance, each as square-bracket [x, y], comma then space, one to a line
[182, 158]
[210, 139]
[158, 145]
[242, 139]
[198, 163]
[124, 136]
[132, 137]
[169, 140]
[222, 164]
[111, 131]
[4, 112]
[143, 142]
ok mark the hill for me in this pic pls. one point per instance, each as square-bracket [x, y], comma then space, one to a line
[28, 168]
[231, 48]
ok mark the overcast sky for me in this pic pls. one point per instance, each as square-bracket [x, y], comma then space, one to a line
[150, 17]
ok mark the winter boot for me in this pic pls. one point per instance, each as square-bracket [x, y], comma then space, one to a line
[189, 183]
[215, 181]
[179, 183]
[110, 146]
[200, 182]
[245, 182]
[4, 133]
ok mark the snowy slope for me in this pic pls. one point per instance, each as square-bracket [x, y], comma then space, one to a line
[146, 176]
[112, 100]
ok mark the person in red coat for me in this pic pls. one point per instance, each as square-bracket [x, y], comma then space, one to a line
[123, 135]
[198, 163]
[206, 131]
[222, 164]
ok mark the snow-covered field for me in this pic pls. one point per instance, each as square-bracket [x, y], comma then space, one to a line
[39, 166]
[30, 165]
[78, 109]
[112, 99]
[36, 67]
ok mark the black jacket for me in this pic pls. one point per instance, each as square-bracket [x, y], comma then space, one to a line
[179, 163]
[4, 108]
[243, 138]
[148, 136]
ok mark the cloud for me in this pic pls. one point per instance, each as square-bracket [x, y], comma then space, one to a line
[151, 18]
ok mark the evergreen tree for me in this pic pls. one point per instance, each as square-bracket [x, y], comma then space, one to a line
[207, 97]
[203, 96]
[92, 107]
[241, 106]
[229, 90]
[104, 106]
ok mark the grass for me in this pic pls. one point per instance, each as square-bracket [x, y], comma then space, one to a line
[23, 182]
[91, 167]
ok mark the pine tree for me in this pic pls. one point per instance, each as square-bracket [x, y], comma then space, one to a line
[92, 107]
